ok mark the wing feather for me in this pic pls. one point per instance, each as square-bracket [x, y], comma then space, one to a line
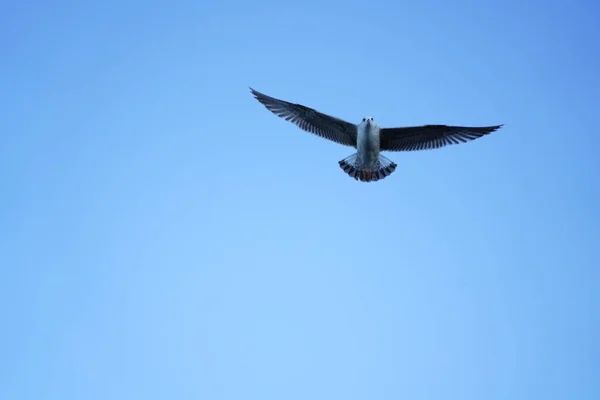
[310, 120]
[429, 137]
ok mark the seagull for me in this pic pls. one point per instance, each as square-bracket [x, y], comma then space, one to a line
[368, 138]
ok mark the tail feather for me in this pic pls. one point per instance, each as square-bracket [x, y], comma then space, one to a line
[383, 168]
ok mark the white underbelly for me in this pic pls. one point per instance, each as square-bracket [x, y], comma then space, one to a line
[367, 146]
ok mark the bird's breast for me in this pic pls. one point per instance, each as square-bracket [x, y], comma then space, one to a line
[367, 141]
[368, 137]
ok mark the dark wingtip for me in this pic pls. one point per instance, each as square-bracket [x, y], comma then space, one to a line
[261, 97]
[256, 93]
[491, 128]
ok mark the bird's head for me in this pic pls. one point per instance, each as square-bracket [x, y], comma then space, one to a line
[368, 121]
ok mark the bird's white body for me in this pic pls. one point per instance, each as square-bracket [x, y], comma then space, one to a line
[367, 144]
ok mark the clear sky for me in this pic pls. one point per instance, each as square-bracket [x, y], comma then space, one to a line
[164, 236]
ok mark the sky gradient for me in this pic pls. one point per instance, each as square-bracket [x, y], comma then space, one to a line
[164, 236]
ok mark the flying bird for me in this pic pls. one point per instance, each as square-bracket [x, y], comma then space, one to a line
[368, 138]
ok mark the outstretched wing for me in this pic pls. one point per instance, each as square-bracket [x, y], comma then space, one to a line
[430, 136]
[310, 120]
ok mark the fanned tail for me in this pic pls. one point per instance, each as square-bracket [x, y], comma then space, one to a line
[383, 168]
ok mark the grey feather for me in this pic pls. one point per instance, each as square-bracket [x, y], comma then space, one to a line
[428, 137]
[310, 120]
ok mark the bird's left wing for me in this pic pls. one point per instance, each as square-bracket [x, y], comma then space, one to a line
[310, 120]
[430, 136]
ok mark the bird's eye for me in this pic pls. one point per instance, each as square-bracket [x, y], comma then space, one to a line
[364, 119]
[371, 118]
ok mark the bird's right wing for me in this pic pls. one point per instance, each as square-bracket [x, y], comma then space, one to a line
[310, 120]
[430, 136]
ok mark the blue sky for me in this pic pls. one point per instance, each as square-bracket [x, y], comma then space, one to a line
[166, 237]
